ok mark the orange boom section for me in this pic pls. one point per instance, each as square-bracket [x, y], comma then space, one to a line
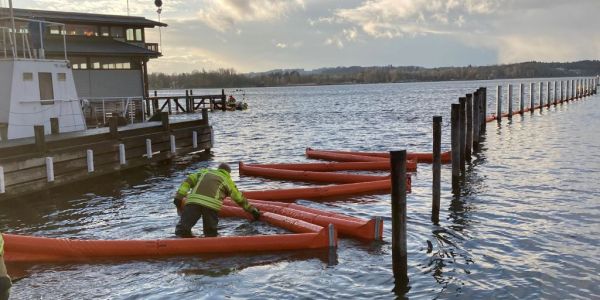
[19, 248]
[306, 175]
[314, 193]
[330, 167]
[420, 157]
[347, 226]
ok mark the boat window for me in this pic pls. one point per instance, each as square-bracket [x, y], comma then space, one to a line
[78, 63]
[86, 30]
[116, 31]
[27, 76]
[61, 76]
[114, 63]
[104, 31]
[139, 35]
[46, 88]
[129, 34]
[56, 29]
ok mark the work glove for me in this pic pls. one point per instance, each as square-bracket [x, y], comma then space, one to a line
[177, 202]
[255, 213]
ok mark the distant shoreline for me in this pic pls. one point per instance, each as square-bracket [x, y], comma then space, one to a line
[228, 78]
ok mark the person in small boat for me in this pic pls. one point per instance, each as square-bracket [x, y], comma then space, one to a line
[5, 282]
[201, 196]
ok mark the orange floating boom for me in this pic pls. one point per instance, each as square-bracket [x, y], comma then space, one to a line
[331, 167]
[420, 157]
[326, 155]
[306, 175]
[358, 228]
[20, 248]
[314, 193]
[293, 225]
[305, 208]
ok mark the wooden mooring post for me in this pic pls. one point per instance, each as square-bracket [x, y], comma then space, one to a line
[555, 102]
[187, 101]
[499, 103]
[40, 138]
[483, 109]
[548, 94]
[476, 119]
[455, 144]
[437, 169]
[510, 101]
[399, 245]
[541, 94]
[462, 101]
[521, 98]
[531, 97]
[223, 100]
[54, 126]
[469, 128]
[154, 104]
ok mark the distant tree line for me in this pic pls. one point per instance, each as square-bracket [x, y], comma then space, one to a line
[227, 78]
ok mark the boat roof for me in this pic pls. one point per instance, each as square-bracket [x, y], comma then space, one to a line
[81, 45]
[84, 18]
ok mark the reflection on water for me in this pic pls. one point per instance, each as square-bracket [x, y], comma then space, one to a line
[525, 224]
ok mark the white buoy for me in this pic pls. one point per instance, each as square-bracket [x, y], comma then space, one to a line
[90, 160]
[50, 169]
[122, 157]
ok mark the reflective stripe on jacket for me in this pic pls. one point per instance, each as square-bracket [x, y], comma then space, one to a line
[210, 187]
[1, 245]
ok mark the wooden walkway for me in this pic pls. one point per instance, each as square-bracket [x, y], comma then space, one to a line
[45, 161]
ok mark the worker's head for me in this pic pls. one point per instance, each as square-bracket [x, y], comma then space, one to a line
[224, 166]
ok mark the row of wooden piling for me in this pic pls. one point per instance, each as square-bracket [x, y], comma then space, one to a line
[468, 125]
[563, 91]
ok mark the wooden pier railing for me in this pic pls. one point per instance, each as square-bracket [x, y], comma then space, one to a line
[188, 103]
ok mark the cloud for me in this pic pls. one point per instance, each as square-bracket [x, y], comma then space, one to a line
[223, 15]
[335, 41]
[136, 7]
[400, 18]
[180, 59]
[281, 45]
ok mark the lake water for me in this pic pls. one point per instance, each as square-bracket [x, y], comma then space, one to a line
[526, 225]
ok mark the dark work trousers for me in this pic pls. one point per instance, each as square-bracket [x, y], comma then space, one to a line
[190, 216]
[5, 283]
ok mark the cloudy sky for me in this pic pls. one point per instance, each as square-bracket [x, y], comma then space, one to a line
[260, 35]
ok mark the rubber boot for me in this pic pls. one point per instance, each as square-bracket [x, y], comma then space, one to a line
[5, 285]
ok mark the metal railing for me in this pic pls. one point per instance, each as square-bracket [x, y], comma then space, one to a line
[152, 47]
[97, 111]
[16, 40]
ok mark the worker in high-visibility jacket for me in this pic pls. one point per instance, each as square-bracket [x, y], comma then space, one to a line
[201, 195]
[5, 282]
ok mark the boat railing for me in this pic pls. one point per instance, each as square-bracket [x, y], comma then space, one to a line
[24, 38]
[98, 110]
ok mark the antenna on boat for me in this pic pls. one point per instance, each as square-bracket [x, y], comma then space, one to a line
[159, 4]
[13, 34]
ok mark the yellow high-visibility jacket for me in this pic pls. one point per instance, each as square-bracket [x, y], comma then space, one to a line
[210, 187]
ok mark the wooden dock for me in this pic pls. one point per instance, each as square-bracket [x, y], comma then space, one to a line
[45, 161]
[188, 103]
